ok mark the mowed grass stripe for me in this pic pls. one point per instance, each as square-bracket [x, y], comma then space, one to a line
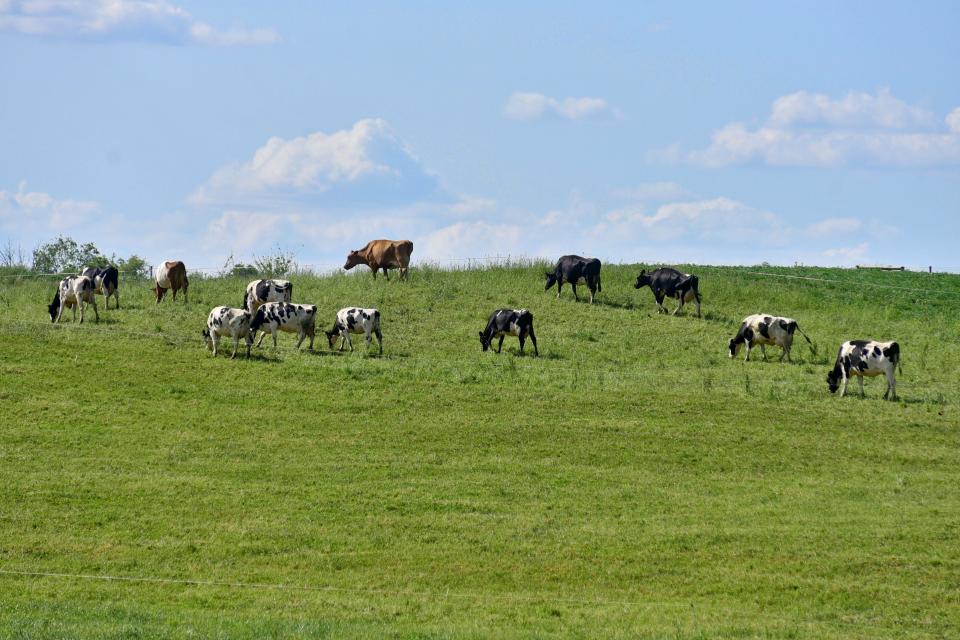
[632, 462]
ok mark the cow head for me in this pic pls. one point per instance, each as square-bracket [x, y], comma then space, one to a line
[484, 340]
[833, 378]
[332, 334]
[551, 280]
[353, 259]
[54, 307]
[734, 347]
[643, 280]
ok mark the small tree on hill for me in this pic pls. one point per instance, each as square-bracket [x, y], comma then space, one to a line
[65, 255]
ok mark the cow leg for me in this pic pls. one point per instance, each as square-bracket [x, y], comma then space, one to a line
[214, 339]
[369, 338]
[81, 304]
[274, 333]
[379, 339]
[386, 274]
[343, 339]
[500, 345]
[593, 288]
[263, 334]
[96, 314]
[659, 299]
[860, 382]
[236, 345]
[763, 351]
[349, 340]
[60, 312]
[679, 304]
[533, 339]
[749, 347]
[523, 338]
[575, 296]
[374, 269]
[301, 335]
[891, 384]
[559, 287]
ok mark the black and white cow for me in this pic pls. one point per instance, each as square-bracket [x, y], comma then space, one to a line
[106, 280]
[288, 317]
[575, 270]
[260, 292]
[227, 322]
[73, 292]
[670, 283]
[865, 358]
[763, 329]
[355, 320]
[509, 322]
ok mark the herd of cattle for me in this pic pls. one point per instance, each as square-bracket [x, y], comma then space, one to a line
[268, 307]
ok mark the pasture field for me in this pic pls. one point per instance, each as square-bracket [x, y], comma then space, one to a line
[632, 482]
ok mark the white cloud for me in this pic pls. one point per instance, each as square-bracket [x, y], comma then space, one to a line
[42, 211]
[832, 227]
[473, 240]
[651, 191]
[715, 219]
[813, 130]
[853, 110]
[123, 19]
[533, 106]
[848, 255]
[364, 164]
[953, 120]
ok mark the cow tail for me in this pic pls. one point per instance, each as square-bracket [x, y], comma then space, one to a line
[695, 281]
[804, 335]
[599, 286]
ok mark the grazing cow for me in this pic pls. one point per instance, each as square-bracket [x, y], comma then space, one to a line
[761, 329]
[354, 320]
[383, 254]
[865, 358]
[73, 292]
[667, 282]
[509, 322]
[575, 270]
[227, 322]
[285, 316]
[171, 275]
[262, 291]
[105, 282]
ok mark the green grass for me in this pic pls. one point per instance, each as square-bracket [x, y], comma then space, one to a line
[631, 482]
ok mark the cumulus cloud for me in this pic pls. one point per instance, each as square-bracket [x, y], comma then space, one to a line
[715, 219]
[832, 227]
[651, 191]
[534, 106]
[38, 210]
[856, 109]
[366, 164]
[806, 129]
[121, 19]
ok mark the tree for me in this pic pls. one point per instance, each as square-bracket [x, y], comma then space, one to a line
[65, 255]
[134, 266]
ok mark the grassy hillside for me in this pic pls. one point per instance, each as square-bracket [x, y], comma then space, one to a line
[633, 481]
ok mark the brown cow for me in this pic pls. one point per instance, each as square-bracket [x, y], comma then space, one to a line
[383, 254]
[171, 275]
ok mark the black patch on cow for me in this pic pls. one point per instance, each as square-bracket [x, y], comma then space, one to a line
[876, 351]
[764, 328]
[262, 290]
[892, 353]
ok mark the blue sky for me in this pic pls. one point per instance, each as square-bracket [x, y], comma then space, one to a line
[737, 133]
